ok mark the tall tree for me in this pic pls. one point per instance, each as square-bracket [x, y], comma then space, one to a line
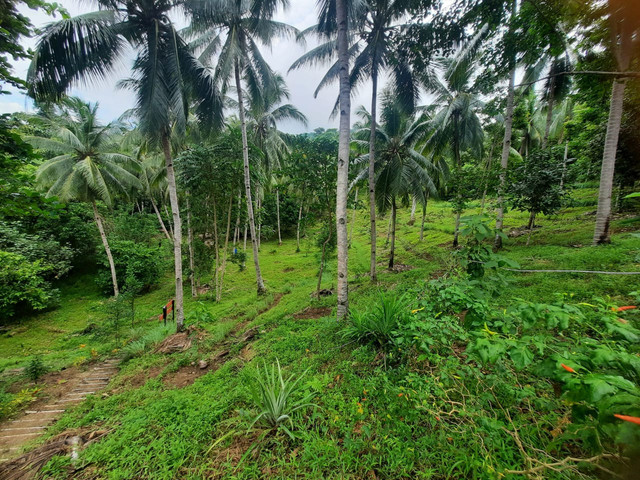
[166, 76]
[624, 25]
[402, 172]
[372, 44]
[232, 30]
[87, 166]
[456, 125]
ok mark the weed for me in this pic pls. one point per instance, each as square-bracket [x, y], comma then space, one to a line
[35, 369]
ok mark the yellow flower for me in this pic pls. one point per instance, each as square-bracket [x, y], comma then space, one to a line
[82, 346]
[417, 310]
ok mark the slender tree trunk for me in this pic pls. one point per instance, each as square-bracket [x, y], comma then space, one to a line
[278, 215]
[386, 243]
[298, 228]
[105, 243]
[531, 226]
[224, 252]
[486, 179]
[216, 246]
[353, 217]
[322, 259]
[166, 212]
[456, 152]
[343, 160]
[258, 211]
[162, 225]
[372, 174]
[247, 183]
[424, 216]
[564, 164]
[177, 232]
[414, 206]
[602, 233]
[506, 148]
[547, 127]
[244, 262]
[192, 276]
[393, 233]
[236, 233]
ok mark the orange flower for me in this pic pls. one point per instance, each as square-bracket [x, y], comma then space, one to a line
[567, 368]
[627, 418]
[622, 309]
[400, 394]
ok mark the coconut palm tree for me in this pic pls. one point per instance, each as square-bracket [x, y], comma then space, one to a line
[372, 47]
[230, 31]
[86, 165]
[402, 173]
[624, 23]
[456, 125]
[166, 76]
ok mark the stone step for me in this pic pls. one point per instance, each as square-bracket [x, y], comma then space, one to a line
[17, 430]
[71, 400]
[81, 391]
[18, 435]
[54, 409]
[33, 420]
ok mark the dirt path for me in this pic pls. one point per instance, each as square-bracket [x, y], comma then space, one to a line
[14, 434]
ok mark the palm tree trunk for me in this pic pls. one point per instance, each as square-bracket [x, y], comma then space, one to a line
[169, 221]
[224, 252]
[236, 233]
[343, 160]
[456, 152]
[506, 148]
[353, 217]
[322, 259]
[162, 225]
[247, 182]
[298, 228]
[393, 233]
[424, 216]
[372, 176]
[105, 243]
[414, 206]
[192, 277]
[602, 232]
[177, 231]
[278, 215]
[386, 243]
[258, 211]
[216, 246]
[486, 179]
[547, 127]
[564, 164]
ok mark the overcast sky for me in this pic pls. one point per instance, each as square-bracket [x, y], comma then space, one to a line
[302, 83]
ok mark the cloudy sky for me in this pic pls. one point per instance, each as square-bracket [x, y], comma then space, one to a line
[282, 54]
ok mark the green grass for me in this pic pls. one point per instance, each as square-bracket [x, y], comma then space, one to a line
[374, 422]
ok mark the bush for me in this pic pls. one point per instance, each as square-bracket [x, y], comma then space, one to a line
[35, 369]
[134, 262]
[22, 285]
[381, 326]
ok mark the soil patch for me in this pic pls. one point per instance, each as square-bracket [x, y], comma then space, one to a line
[185, 376]
[288, 269]
[140, 378]
[315, 312]
[27, 466]
[400, 267]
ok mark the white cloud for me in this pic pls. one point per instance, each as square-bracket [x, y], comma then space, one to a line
[302, 83]
[10, 107]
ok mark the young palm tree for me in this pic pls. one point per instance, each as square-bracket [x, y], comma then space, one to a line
[232, 30]
[166, 77]
[372, 48]
[456, 125]
[402, 173]
[87, 166]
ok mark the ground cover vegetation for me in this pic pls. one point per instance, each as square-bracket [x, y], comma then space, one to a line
[485, 286]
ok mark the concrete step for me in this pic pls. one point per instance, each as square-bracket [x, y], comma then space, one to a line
[18, 435]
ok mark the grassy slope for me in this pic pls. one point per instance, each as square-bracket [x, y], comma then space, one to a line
[163, 432]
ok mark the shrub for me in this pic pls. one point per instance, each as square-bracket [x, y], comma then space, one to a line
[35, 369]
[22, 284]
[381, 326]
[134, 261]
[273, 396]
